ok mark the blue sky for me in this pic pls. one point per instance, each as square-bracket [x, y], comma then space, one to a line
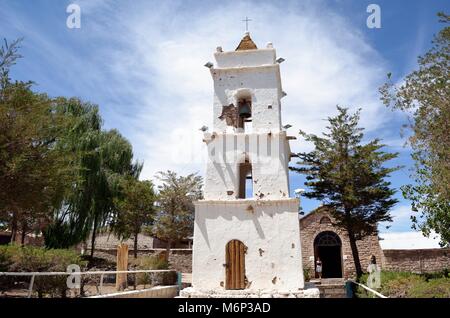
[141, 62]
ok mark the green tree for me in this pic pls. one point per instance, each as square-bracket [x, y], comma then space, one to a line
[175, 217]
[425, 96]
[71, 219]
[104, 158]
[59, 171]
[349, 177]
[135, 209]
[33, 170]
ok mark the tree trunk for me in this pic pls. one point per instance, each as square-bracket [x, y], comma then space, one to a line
[82, 294]
[23, 234]
[355, 253]
[93, 237]
[14, 227]
[135, 245]
[169, 243]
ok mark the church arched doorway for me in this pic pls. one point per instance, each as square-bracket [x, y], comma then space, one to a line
[235, 265]
[328, 247]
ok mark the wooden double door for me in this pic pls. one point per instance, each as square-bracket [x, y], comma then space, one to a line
[235, 265]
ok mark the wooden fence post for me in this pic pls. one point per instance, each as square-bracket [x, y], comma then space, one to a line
[122, 265]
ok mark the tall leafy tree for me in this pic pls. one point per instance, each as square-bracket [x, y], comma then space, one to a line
[135, 209]
[59, 171]
[348, 176]
[175, 217]
[115, 155]
[70, 224]
[33, 171]
[425, 96]
[104, 158]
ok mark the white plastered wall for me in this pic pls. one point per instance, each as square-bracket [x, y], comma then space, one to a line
[263, 86]
[270, 228]
[268, 154]
[270, 231]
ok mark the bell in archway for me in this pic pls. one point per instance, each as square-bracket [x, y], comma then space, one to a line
[244, 110]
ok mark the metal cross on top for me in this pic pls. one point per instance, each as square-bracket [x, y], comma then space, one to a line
[246, 23]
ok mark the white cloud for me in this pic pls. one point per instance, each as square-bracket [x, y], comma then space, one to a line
[146, 60]
[408, 240]
[401, 213]
[401, 219]
[328, 62]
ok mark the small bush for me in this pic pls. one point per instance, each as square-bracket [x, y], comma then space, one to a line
[410, 285]
[307, 274]
[445, 273]
[14, 258]
[151, 262]
[400, 287]
[434, 288]
[5, 256]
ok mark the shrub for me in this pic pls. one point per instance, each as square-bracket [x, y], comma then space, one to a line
[434, 288]
[5, 256]
[307, 271]
[154, 262]
[410, 285]
[400, 287]
[14, 258]
[445, 273]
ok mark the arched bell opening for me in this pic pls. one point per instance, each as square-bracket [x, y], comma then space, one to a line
[244, 111]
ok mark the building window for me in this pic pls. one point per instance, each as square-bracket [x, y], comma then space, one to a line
[245, 180]
[327, 239]
[325, 220]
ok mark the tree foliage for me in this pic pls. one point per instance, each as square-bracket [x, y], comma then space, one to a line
[135, 209]
[104, 159]
[60, 172]
[425, 95]
[175, 217]
[33, 169]
[349, 177]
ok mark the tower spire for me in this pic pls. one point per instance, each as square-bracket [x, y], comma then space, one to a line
[246, 43]
[246, 20]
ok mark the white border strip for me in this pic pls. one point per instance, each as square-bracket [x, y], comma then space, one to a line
[83, 273]
[134, 292]
[370, 289]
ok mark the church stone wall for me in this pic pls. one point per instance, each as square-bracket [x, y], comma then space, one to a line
[310, 227]
[417, 261]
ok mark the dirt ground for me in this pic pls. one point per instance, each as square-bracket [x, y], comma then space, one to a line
[89, 290]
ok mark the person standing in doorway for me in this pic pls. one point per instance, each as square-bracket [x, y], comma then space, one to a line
[319, 268]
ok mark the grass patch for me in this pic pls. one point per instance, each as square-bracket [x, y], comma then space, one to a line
[410, 285]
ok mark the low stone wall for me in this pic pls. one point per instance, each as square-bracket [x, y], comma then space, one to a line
[179, 259]
[418, 260]
[155, 292]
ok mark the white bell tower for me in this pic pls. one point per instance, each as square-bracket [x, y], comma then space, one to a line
[246, 234]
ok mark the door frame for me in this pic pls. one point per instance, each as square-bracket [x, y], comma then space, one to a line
[316, 249]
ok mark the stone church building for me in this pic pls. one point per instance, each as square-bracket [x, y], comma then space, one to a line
[321, 239]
